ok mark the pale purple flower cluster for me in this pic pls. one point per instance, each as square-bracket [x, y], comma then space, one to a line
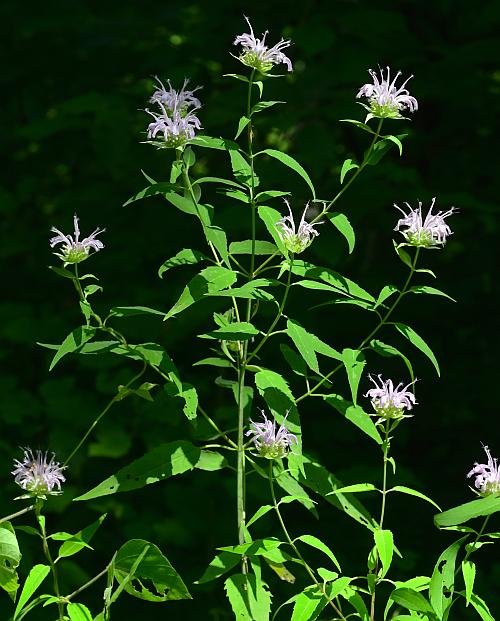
[428, 232]
[298, 239]
[269, 441]
[176, 121]
[257, 55]
[487, 475]
[389, 401]
[37, 474]
[75, 250]
[385, 98]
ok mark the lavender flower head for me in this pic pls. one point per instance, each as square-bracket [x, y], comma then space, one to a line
[269, 441]
[75, 250]
[389, 401]
[37, 474]
[257, 55]
[175, 122]
[386, 100]
[296, 240]
[487, 475]
[428, 232]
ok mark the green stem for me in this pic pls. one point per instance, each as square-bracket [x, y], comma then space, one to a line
[48, 556]
[12, 516]
[381, 323]
[386, 447]
[293, 545]
[89, 583]
[354, 176]
[276, 319]
[99, 417]
[478, 537]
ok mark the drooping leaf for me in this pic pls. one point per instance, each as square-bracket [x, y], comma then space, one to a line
[289, 161]
[221, 564]
[339, 283]
[348, 165]
[154, 568]
[388, 350]
[270, 217]
[356, 415]
[37, 575]
[152, 190]
[384, 542]
[279, 398]
[164, 461]
[314, 542]
[354, 363]
[412, 492]
[10, 557]
[443, 578]
[129, 311]
[419, 343]
[469, 574]
[343, 226]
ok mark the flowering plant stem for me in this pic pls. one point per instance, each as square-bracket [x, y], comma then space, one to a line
[12, 516]
[367, 339]
[41, 523]
[294, 547]
[386, 445]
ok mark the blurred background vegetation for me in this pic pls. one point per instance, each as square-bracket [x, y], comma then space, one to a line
[75, 76]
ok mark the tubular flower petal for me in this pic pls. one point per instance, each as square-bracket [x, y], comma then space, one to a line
[269, 441]
[175, 122]
[428, 232]
[296, 240]
[385, 99]
[389, 401]
[75, 250]
[487, 475]
[257, 55]
[37, 474]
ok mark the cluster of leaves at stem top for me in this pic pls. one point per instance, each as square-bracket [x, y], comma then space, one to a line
[250, 282]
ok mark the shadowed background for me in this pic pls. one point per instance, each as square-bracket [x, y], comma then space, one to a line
[75, 75]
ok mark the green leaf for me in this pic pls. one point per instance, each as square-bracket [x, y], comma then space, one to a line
[251, 290]
[213, 362]
[314, 476]
[270, 217]
[80, 540]
[359, 124]
[217, 237]
[412, 600]
[221, 144]
[78, 612]
[254, 548]
[259, 513]
[242, 170]
[310, 603]
[412, 492]
[72, 342]
[278, 397]
[263, 105]
[479, 606]
[154, 568]
[242, 123]
[403, 255]
[388, 350]
[245, 247]
[263, 196]
[289, 161]
[186, 205]
[211, 461]
[249, 601]
[443, 578]
[354, 363]
[384, 294]
[348, 165]
[314, 542]
[129, 311]
[35, 578]
[290, 485]
[343, 226]
[217, 180]
[220, 565]
[384, 542]
[430, 291]
[295, 361]
[152, 190]
[160, 463]
[186, 256]
[463, 513]
[62, 271]
[356, 415]
[469, 574]
[10, 557]
[419, 343]
[209, 280]
[309, 344]
[338, 282]
[355, 489]
[237, 331]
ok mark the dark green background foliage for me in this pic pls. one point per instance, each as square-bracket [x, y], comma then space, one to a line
[75, 78]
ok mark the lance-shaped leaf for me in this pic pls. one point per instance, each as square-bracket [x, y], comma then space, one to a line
[218, 566]
[314, 542]
[340, 283]
[412, 600]
[348, 165]
[309, 604]
[130, 311]
[343, 226]
[72, 343]
[10, 557]
[153, 569]
[162, 462]
[309, 344]
[289, 161]
[79, 612]
[260, 248]
[152, 190]
[280, 400]
[356, 415]
[443, 578]
[80, 540]
[270, 217]
[37, 575]
[354, 362]
[249, 600]
[419, 343]
[384, 542]
[254, 548]
[463, 513]
[388, 351]
[237, 331]
[208, 281]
